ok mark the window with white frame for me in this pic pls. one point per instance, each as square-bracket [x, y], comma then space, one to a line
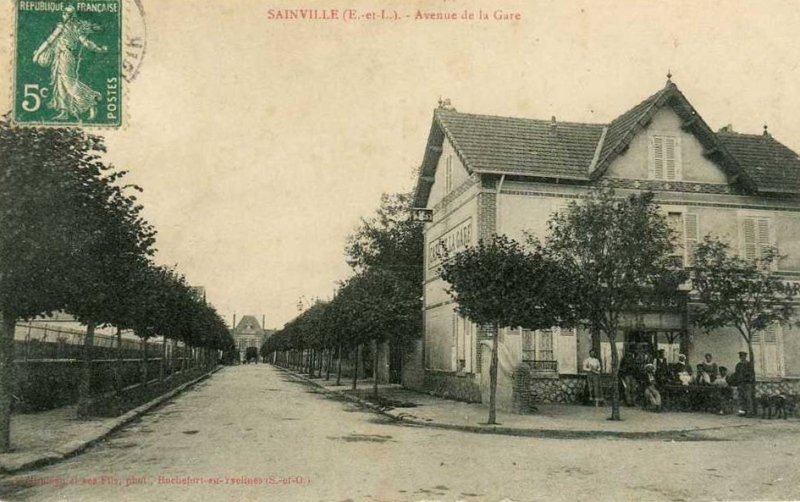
[553, 349]
[687, 234]
[665, 158]
[537, 345]
[756, 236]
[768, 352]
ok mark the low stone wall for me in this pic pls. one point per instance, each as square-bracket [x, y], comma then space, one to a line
[532, 388]
[785, 387]
[452, 386]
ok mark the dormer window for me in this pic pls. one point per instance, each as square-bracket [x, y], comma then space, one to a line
[665, 158]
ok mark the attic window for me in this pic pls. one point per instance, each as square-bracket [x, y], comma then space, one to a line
[665, 158]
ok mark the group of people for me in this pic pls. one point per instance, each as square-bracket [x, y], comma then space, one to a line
[644, 377]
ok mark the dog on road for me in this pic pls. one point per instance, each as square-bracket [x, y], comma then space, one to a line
[777, 404]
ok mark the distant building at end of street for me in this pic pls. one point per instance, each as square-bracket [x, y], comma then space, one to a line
[249, 333]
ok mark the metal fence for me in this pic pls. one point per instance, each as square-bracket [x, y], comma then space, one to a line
[34, 341]
[48, 361]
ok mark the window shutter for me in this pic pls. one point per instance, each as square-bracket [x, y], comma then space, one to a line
[669, 158]
[763, 235]
[567, 349]
[771, 334]
[470, 346]
[658, 157]
[454, 352]
[692, 236]
[758, 356]
[448, 182]
[678, 160]
[527, 345]
[772, 352]
[675, 223]
[749, 233]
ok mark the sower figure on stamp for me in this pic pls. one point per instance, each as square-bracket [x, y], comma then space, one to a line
[62, 53]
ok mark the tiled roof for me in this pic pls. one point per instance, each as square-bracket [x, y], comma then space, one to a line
[569, 150]
[521, 146]
[772, 165]
[625, 125]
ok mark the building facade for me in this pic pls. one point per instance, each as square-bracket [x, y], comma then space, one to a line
[483, 175]
[249, 333]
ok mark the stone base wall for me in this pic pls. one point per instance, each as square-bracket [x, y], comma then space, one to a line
[532, 388]
[785, 387]
[452, 386]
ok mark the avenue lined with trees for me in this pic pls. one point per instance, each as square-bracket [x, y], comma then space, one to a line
[381, 303]
[73, 239]
[603, 257]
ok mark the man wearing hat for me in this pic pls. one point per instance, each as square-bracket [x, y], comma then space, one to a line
[745, 380]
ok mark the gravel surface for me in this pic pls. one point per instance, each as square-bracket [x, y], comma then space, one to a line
[253, 433]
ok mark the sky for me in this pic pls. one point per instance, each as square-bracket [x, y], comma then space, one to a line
[260, 143]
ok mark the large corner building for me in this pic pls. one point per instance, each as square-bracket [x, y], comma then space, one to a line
[483, 175]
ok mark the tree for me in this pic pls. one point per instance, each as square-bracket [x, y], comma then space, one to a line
[744, 293]
[111, 245]
[500, 283]
[58, 204]
[618, 252]
[387, 252]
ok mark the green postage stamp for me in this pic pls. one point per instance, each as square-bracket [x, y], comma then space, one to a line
[67, 69]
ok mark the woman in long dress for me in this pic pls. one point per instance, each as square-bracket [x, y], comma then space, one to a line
[62, 52]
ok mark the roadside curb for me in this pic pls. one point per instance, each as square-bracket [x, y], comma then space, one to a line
[23, 462]
[680, 434]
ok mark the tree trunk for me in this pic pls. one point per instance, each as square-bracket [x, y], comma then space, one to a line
[339, 366]
[375, 367]
[7, 325]
[752, 387]
[612, 338]
[118, 370]
[328, 369]
[144, 362]
[85, 379]
[172, 356]
[493, 376]
[356, 354]
[162, 369]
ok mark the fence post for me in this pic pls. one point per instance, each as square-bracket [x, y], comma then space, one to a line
[162, 366]
[85, 380]
[144, 362]
[118, 366]
[173, 356]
